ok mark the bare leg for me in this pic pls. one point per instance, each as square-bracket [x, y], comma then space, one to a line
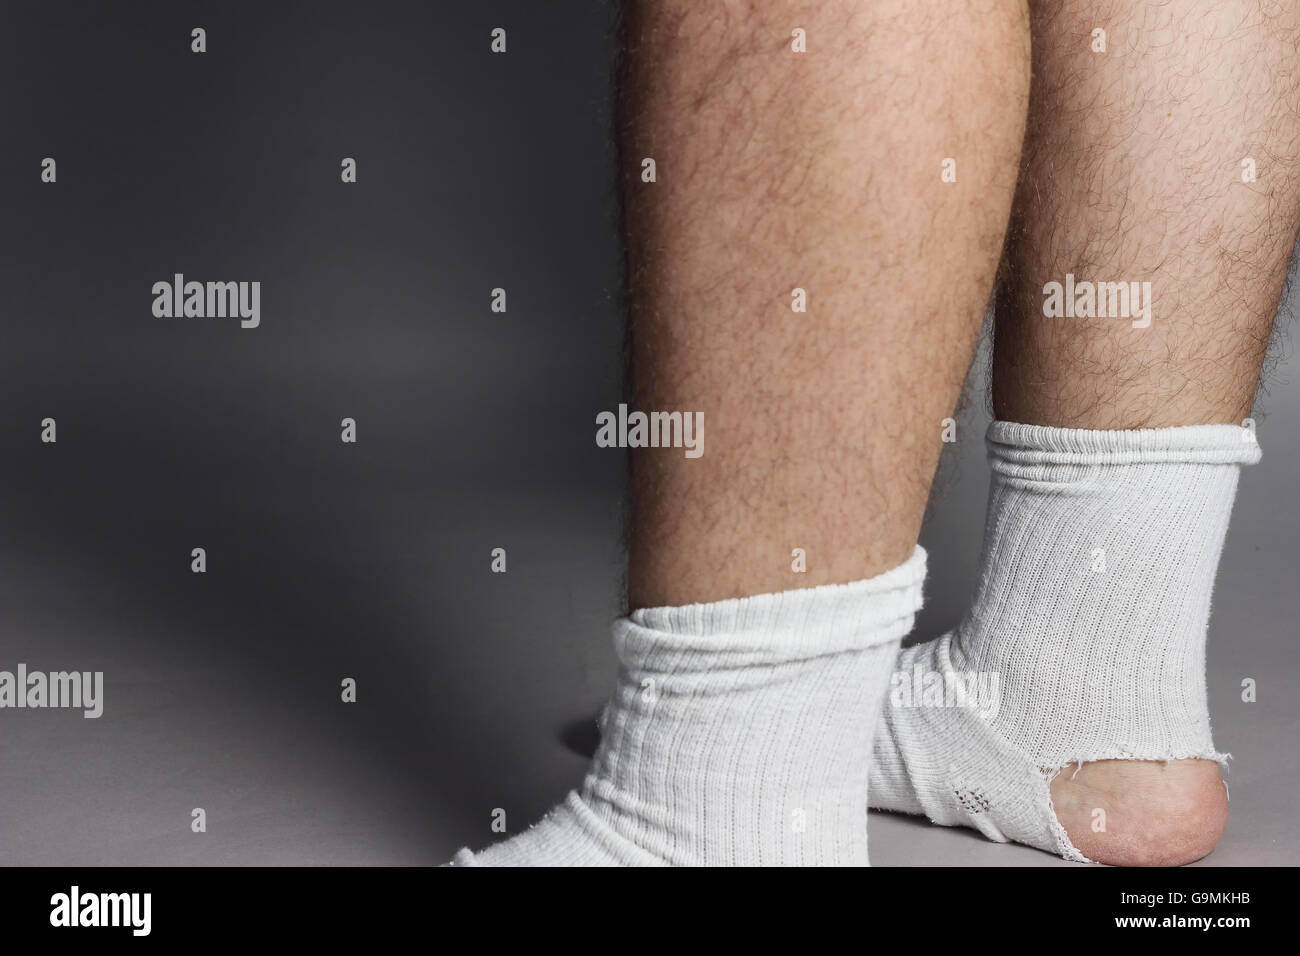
[1133, 171]
[735, 724]
[821, 171]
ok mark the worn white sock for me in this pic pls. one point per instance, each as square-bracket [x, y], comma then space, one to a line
[735, 733]
[1086, 639]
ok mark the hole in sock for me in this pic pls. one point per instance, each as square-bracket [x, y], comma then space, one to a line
[972, 801]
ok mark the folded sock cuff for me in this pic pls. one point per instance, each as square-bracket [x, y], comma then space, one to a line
[1019, 444]
[785, 626]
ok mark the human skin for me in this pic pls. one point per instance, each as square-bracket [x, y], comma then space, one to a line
[820, 170]
[1132, 170]
[779, 170]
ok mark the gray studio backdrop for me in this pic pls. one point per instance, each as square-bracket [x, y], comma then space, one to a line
[325, 560]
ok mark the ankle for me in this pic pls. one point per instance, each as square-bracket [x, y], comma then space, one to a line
[1142, 813]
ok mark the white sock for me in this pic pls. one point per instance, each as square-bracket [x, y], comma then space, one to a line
[735, 734]
[1100, 551]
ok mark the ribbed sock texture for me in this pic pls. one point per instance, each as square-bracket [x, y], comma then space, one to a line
[735, 734]
[1086, 638]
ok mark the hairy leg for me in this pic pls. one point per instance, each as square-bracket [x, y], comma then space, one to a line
[819, 171]
[1133, 171]
[748, 692]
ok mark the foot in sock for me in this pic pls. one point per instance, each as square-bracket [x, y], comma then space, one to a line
[1068, 710]
[734, 733]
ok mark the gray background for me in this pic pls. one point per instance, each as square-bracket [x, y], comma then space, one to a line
[326, 560]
